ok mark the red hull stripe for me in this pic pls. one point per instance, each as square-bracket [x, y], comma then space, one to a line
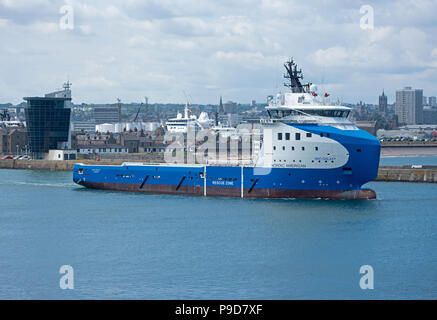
[363, 194]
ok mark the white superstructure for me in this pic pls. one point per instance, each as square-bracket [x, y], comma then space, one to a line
[181, 122]
[288, 143]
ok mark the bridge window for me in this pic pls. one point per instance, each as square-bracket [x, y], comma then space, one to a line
[280, 136]
[329, 113]
[309, 135]
[297, 136]
[287, 136]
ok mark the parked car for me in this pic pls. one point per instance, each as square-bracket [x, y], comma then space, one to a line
[7, 157]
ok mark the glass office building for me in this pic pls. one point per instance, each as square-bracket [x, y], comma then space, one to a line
[47, 122]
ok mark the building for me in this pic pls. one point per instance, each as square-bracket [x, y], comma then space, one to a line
[432, 102]
[429, 116]
[409, 106]
[230, 107]
[107, 114]
[13, 140]
[87, 126]
[61, 155]
[48, 121]
[230, 119]
[383, 103]
[106, 149]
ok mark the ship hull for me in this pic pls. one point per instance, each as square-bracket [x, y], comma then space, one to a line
[221, 181]
[361, 194]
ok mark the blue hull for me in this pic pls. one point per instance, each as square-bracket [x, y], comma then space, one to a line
[225, 181]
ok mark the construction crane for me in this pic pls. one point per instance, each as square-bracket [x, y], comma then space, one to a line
[138, 112]
[119, 109]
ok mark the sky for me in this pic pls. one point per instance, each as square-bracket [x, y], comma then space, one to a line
[198, 50]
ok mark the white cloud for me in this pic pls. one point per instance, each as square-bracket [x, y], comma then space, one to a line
[163, 47]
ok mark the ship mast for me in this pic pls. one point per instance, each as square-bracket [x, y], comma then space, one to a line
[294, 76]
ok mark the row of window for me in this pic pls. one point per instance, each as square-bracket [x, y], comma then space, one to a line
[312, 161]
[287, 135]
[277, 114]
[103, 150]
[292, 148]
[297, 135]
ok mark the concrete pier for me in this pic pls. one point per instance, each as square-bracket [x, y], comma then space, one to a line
[51, 165]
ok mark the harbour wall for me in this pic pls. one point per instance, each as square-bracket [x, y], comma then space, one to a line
[386, 173]
[408, 151]
[52, 165]
[408, 174]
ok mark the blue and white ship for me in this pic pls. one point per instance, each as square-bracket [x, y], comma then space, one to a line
[310, 150]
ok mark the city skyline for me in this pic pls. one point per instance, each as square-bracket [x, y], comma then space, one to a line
[205, 50]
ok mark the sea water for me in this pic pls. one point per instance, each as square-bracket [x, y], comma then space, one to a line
[143, 246]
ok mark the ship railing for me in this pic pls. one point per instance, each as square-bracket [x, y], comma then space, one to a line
[231, 162]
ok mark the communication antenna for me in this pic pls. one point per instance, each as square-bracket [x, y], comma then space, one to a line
[67, 85]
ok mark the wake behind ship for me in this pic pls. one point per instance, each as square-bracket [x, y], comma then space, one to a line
[310, 150]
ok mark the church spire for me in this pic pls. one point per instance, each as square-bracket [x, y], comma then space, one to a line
[220, 108]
